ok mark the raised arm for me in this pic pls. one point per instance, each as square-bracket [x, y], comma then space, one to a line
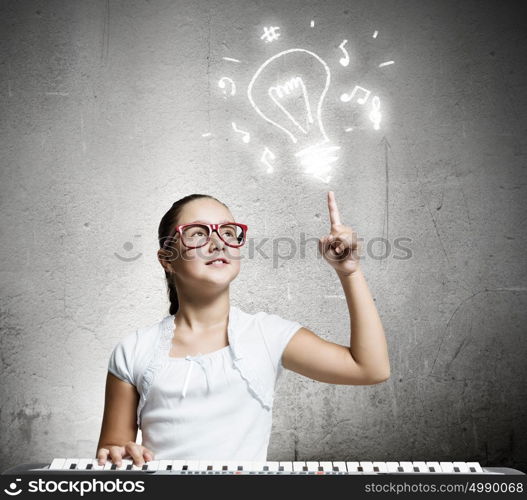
[365, 361]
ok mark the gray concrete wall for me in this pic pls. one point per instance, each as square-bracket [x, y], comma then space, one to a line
[103, 107]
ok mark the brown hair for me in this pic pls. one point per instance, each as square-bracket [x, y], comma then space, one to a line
[164, 232]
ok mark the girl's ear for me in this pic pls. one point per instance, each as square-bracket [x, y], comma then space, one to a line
[164, 258]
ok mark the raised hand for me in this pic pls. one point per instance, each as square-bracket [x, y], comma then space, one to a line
[340, 247]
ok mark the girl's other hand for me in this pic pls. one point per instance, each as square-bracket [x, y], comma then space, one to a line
[138, 453]
[340, 247]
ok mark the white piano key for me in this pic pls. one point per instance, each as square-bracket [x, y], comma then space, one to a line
[204, 464]
[447, 467]
[108, 464]
[246, 465]
[326, 466]
[273, 466]
[287, 466]
[462, 466]
[435, 466]
[341, 467]
[232, 465]
[407, 466]
[312, 466]
[83, 462]
[177, 465]
[476, 466]
[190, 465]
[163, 465]
[353, 467]
[299, 466]
[124, 463]
[366, 466]
[57, 464]
[95, 465]
[153, 465]
[381, 466]
[258, 466]
[69, 462]
[421, 466]
[216, 466]
[392, 466]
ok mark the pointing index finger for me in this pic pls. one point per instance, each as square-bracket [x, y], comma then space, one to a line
[334, 216]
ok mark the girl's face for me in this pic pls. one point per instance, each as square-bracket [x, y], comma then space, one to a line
[190, 264]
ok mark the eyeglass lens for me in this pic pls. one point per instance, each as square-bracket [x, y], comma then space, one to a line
[197, 234]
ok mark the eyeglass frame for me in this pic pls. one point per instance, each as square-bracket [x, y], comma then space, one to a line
[211, 227]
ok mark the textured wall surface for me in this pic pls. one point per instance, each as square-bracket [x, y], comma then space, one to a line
[103, 107]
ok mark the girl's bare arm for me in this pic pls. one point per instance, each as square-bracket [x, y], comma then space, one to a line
[119, 425]
[365, 361]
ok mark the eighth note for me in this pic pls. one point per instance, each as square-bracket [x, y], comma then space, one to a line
[346, 59]
[246, 136]
[361, 100]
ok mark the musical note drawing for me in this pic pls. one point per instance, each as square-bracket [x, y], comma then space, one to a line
[222, 85]
[361, 100]
[375, 115]
[270, 34]
[246, 136]
[268, 155]
[346, 59]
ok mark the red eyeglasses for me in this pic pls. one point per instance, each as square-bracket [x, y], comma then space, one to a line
[196, 235]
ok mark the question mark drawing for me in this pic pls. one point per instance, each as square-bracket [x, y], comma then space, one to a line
[223, 83]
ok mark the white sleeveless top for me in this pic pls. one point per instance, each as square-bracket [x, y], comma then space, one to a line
[215, 406]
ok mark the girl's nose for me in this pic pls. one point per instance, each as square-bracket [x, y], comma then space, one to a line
[216, 240]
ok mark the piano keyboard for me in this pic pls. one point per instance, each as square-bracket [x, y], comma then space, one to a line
[184, 467]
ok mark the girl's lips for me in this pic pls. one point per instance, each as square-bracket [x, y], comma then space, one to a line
[217, 263]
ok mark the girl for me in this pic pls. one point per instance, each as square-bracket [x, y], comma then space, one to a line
[200, 382]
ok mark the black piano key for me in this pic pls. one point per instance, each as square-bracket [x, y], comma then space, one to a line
[360, 469]
[416, 469]
[400, 469]
[169, 467]
[456, 469]
[431, 469]
[129, 467]
[472, 469]
[209, 467]
[280, 468]
[335, 468]
[73, 466]
[185, 467]
[144, 467]
[89, 466]
[113, 467]
[225, 467]
[320, 468]
[304, 468]
[266, 467]
[376, 469]
[240, 467]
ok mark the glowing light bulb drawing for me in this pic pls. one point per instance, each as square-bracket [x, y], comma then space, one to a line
[294, 104]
